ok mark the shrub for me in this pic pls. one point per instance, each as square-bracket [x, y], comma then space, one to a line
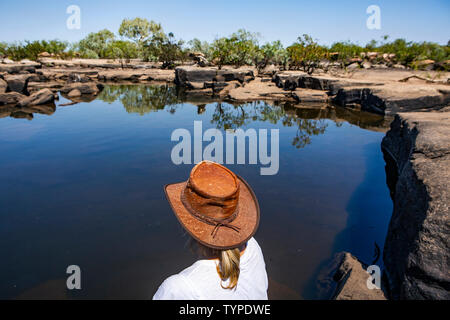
[345, 51]
[306, 54]
[272, 53]
[96, 42]
[31, 49]
[195, 45]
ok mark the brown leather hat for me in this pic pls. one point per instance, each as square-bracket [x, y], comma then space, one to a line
[216, 207]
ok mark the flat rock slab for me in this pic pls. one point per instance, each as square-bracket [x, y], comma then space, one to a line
[137, 75]
[309, 96]
[84, 88]
[19, 67]
[185, 75]
[291, 80]
[258, 90]
[392, 98]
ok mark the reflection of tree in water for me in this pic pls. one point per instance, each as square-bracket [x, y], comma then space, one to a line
[309, 121]
[305, 129]
[141, 99]
[227, 116]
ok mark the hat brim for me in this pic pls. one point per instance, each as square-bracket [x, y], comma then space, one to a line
[247, 219]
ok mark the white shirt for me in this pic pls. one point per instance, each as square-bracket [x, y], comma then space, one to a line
[202, 282]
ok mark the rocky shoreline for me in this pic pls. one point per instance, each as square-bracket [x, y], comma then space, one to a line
[381, 91]
[416, 148]
[417, 248]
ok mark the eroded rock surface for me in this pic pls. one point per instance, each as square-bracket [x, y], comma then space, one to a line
[417, 247]
[352, 281]
[83, 88]
[43, 96]
[11, 98]
[193, 77]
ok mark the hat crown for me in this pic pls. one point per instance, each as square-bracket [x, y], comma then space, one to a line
[211, 179]
[212, 192]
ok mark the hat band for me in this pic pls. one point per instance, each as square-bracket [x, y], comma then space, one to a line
[217, 223]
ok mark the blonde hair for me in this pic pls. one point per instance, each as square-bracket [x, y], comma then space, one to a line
[228, 267]
[229, 260]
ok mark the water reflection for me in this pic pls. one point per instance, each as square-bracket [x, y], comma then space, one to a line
[227, 116]
[308, 119]
[105, 170]
[26, 112]
[142, 99]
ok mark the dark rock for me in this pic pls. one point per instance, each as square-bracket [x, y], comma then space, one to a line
[427, 65]
[84, 88]
[199, 59]
[43, 96]
[392, 99]
[184, 76]
[75, 77]
[11, 98]
[18, 83]
[291, 81]
[417, 248]
[16, 67]
[360, 97]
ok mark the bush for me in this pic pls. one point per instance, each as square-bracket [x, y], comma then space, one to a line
[164, 48]
[98, 43]
[272, 53]
[241, 48]
[31, 49]
[345, 51]
[306, 54]
[195, 45]
[120, 49]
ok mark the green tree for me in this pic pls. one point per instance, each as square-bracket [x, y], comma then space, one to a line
[120, 49]
[306, 53]
[221, 51]
[244, 47]
[271, 53]
[96, 44]
[139, 29]
[164, 48]
[195, 45]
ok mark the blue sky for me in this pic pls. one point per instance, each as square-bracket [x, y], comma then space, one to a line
[326, 21]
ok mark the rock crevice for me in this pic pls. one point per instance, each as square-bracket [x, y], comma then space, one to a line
[417, 247]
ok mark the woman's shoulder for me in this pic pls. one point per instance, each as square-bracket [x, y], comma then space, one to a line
[176, 287]
[252, 254]
[253, 247]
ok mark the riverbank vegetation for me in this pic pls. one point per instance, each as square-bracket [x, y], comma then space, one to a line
[143, 39]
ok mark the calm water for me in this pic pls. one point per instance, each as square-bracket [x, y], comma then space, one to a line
[83, 184]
